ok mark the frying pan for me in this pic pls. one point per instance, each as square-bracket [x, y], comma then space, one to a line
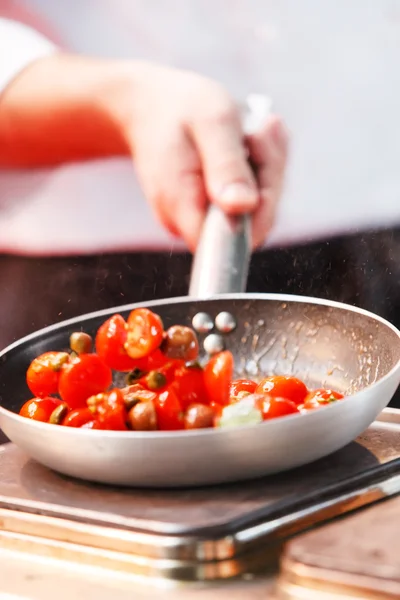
[323, 343]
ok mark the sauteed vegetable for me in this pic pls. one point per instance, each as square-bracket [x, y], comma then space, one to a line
[166, 386]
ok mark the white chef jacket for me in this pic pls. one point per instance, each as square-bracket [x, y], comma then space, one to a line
[331, 67]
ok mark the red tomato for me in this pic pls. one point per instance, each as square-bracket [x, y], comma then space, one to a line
[152, 362]
[110, 411]
[169, 411]
[145, 333]
[91, 425]
[241, 387]
[218, 375]
[110, 340]
[168, 371]
[217, 408]
[189, 386]
[39, 409]
[321, 397]
[281, 386]
[44, 373]
[324, 396]
[273, 408]
[84, 376]
[78, 417]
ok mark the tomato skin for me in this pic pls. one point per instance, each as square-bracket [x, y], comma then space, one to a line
[189, 386]
[78, 417]
[218, 375]
[110, 340]
[44, 372]
[169, 411]
[274, 407]
[145, 333]
[110, 411]
[282, 386]
[39, 409]
[91, 425]
[153, 362]
[324, 396]
[240, 387]
[84, 376]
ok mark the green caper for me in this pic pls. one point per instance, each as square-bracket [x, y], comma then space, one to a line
[58, 414]
[134, 375]
[80, 342]
[156, 380]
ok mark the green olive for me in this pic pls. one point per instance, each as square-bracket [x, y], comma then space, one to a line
[80, 342]
[199, 416]
[58, 414]
[143, 417]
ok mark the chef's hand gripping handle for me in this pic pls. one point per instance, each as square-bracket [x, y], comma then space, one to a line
[221, 262]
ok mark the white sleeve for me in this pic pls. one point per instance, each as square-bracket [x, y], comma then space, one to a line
[19, 46]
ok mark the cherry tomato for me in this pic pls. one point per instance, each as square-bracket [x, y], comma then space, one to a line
[321, 397]
[44, 373]
[160, 378]
[281, 386]
[82, 377]
[169, 411]
[273, 408]
[92, 425]
[152, 362]
[218, 375]
[324, 396]
[109, 410]
[189, 386]
[240, 388]
[145, 333]
[78, 417]
[217, 408]
[110, 341]
[39, 409]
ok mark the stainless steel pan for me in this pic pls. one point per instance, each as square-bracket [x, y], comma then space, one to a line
[324, 343]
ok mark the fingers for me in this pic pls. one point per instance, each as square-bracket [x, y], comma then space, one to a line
[228, 178]
[169, 172]
[268, 152]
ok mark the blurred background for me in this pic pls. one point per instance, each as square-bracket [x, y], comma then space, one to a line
[332, 69]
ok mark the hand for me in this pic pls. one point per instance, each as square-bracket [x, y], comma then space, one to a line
[185, 135]
[183, 131]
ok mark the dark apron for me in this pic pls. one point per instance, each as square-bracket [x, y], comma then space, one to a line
[363, 270]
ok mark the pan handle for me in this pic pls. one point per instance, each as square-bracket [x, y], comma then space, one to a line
[222, 259]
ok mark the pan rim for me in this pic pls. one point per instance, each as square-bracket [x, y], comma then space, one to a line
[151, 435]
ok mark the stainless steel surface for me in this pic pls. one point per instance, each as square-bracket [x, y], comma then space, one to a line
[225, 322]
[221, 262]
[173, 557]
[213, 343]
[202, 323]
[324, 343]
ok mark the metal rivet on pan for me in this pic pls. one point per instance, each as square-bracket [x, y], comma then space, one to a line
[225, 322]
[213, 343]
[202, 322]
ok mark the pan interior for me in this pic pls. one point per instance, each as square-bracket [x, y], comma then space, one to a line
[326, 346]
